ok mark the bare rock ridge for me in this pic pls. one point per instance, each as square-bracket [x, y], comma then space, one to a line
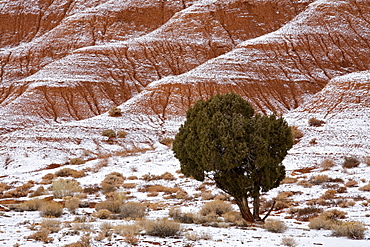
[81, 75]
[277, 71]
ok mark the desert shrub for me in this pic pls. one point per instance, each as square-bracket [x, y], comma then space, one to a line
[327, 164]
[91, 189]
[328, 195]
[84, 227]
[289, 180]
[365, 188]
[315, 122]
[182, 195]
[132, 210]
[3, 187]
[109, 133]
[350, 229]
[20, 191]
[76, 161]
[345, 203]
[177, 215]
[111, 205]
[51, 209]
[159, 188]
[52, 226]
[167, 176]
[275, 226]
[68, 172]
[235, 218]
[296, 133]
[207, 195]
[327, 220]
[305, 184]
[48, 178]
[350, 162]
[38, 192]
[290, 242]
[65, 187]
[195, 236]
[112, 181]
[31, 205]
[161, 228]
[166, 141]
[319, 223]
[305, 214]
[121, 134]
[114, 111]
[216, 207]
[72, 204]
[103, 214]
[83, 242]
[42, 235]
[319, 179]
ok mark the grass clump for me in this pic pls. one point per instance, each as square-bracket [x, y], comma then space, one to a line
[216, 207]
[350, 229]
[65, 187]
[51, 209]
[132, 210]
[350, 162]
[161, 228]
[275, 226]
[109, 133]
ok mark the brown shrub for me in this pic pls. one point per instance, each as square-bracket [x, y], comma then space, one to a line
[327, 164]
[350, 162]
[103, 214]
[350, 229]
[366, 160]
[315, 122]
[275, 226]
[296, 133]
[48, 178]
[290, 242]
[91, 189]
[216, 207]
[72, 204]
[68, 172]
[235, 218]
[329, 194]
[305, 184]
[305, 214]
[50, 225]
[114, 111]
[159, 188]
[166, 141]
[31, 205]
[38, 192]
[77, 161]
[65, 187]
[167, 176]
[319, 179]
[121, 134]
[132, 210]
[161, 228]
[289, 180]
[42, 235]
[111, 205]
[112, 181]
[177, 215]
[51, 209]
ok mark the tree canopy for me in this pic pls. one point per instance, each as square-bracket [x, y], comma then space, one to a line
[225, 140]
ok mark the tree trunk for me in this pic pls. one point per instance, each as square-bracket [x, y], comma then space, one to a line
[244, 209]
[256, 207]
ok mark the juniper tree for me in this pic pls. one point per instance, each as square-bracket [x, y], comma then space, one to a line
[223, 139]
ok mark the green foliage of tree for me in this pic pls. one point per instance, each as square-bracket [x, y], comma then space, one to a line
[225, 140]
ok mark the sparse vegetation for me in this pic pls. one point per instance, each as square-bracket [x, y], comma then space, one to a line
[216, 207]
[315, 122]
[350, 162]
[275, 226]
[51, 209]
[132, 210]
[109, 133]
[65, 187]
[161, 228]
[290, 242]
[350, 229]
[114, 111]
